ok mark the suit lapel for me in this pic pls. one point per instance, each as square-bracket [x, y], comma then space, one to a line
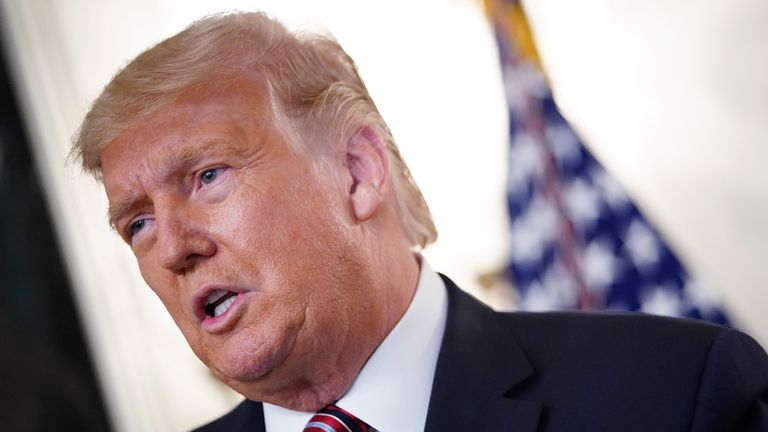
[479, 363]
[249, 416]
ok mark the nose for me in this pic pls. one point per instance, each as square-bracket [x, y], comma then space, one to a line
[181, 242]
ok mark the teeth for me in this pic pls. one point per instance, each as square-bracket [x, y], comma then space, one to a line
[220, 309]
[218, 301]
[215, 295]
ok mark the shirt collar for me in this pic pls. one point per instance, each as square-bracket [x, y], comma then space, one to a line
[391, 392]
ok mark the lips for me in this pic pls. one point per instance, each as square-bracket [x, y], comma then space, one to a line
[218, 302]
[216, 307]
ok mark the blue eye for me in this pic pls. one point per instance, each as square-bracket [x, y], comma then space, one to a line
[136, 226]
[209, 175]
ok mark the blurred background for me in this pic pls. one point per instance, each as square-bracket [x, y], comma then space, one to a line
[670, 97]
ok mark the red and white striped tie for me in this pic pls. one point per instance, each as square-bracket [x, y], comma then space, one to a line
[335, 419]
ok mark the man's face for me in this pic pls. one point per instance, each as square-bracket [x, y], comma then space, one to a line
[247, 240]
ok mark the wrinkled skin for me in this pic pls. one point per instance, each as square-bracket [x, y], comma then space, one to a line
[210, 193]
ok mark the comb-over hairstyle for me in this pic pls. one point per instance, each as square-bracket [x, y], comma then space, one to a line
[308, 78]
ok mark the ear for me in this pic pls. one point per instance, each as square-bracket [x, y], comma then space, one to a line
[369, 168]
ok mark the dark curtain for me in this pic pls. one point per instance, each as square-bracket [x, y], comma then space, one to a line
[47, 380]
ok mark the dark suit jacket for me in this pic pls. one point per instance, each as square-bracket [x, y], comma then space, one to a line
[526, 372]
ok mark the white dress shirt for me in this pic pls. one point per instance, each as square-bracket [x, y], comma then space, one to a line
[392, 391]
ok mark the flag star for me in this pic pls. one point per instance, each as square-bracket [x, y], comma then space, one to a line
[611, 190]
[527, 245]
[533, 231]
[560, 285]
[599, 266]
[582, 203]
[555, 291]
[564, 144]
[642, 244]
[701, 296]
[521, 82]
[516, 96]
[525, 162]
[661, 301]
[537, 298]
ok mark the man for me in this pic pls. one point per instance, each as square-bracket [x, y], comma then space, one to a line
[268, 207]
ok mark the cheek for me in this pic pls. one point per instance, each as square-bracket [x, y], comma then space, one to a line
[155, 277]
[267, 226]
[165, 286]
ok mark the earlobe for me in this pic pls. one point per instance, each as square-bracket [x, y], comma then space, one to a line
[365, 201]
[369, 168]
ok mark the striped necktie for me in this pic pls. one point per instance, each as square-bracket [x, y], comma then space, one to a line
[335, 419]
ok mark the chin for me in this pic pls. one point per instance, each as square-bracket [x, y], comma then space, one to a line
[244, 367]
[246, 361]
[281, 384]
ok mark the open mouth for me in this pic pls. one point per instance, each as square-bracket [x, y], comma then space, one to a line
[218, 302]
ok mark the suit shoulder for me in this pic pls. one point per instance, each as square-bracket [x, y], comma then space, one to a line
[247, 415]
[614, 338]
[612, 326]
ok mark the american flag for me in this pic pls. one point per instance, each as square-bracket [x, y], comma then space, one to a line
[578, 240]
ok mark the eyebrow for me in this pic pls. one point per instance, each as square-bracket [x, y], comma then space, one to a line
[170, 165]
[119, 207]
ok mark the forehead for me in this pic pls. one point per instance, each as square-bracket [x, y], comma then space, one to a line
[194, 121]
[204, 127]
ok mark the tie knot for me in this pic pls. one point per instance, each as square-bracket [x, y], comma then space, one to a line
[335, 419]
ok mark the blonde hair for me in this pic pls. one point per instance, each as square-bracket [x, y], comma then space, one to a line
[308, 77]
